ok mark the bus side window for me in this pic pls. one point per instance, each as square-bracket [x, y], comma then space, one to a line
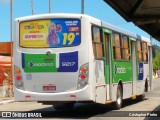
[117, 46]
[97, 43]
[145, 51]
[125, 48]
[139, 51]
[142, 50]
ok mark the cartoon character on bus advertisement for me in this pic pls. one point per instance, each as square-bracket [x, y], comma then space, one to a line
[53, 38]
[63, 33]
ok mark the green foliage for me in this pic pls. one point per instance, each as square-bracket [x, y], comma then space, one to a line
[156, 62]
[156, 57]
[155, 50]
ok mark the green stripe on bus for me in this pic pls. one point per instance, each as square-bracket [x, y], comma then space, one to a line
[40, 63]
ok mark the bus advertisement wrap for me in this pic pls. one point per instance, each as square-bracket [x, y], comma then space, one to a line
[50, 33]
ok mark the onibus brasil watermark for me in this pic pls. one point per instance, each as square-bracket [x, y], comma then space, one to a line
[21, 115]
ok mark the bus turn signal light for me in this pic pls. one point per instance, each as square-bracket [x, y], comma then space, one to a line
[83, 69]
[17, 71]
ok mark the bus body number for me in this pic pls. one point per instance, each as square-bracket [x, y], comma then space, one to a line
[68, 63]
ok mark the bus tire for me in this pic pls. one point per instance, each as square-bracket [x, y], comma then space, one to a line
[146, 85]
[118, 102]
[141, 97]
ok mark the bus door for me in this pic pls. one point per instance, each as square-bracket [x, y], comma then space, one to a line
[133, 59]
[107, 61]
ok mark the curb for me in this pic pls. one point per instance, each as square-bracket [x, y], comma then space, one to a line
[6, 102]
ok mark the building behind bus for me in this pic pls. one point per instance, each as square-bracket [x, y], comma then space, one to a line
[6, 84]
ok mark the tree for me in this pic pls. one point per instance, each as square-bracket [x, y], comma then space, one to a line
[156, 63]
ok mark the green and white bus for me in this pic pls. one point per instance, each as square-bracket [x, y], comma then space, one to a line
[69, 58]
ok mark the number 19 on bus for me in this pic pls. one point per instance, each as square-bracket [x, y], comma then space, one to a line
[68, 37]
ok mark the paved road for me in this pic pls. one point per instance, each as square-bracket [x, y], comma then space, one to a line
[94, 111]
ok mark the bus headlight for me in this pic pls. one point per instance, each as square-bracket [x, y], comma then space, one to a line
[83, 76]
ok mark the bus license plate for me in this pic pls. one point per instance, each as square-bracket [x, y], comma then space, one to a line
[49, 88]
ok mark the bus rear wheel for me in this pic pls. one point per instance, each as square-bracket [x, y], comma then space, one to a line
[142, 96]
[118, 102]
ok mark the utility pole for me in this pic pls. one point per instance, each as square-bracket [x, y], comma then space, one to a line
[11, 35]
[11, 20]
[82, 6]
[32, 7]
[150, 65]
[49, 6]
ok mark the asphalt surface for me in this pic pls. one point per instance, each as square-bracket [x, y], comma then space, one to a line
[95, 111]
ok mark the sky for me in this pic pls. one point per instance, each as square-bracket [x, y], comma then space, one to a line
[95, 8]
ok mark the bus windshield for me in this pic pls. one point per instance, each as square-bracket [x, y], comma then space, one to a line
[50, 33]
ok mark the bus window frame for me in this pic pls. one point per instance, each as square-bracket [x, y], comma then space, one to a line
[100, 43]
[114, 46]
[142, 51]
[121, 47]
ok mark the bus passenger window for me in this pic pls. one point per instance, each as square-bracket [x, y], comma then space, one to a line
[99, 51]
[97, 43]
[125, 48]
[139, 50]
[145, 52]
[96, 34]
[117, 53]
[94, 48]
[117, 46]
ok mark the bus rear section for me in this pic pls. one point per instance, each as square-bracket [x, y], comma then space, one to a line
[50, 59]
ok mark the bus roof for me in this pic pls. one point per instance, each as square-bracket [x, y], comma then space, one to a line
[117, 29]
[48, 16]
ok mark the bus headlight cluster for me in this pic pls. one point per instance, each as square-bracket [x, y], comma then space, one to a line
[83, 76]
[18, 78]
